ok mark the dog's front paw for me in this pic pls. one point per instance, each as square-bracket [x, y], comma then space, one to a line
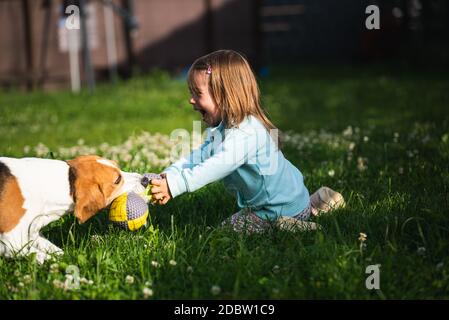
[58, 252]
[46, 246]
[40, 257]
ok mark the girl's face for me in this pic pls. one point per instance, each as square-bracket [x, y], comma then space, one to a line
[202, 101]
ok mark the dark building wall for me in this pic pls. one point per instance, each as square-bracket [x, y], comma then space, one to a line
[49, 65]
[171, 34]
[174, 33]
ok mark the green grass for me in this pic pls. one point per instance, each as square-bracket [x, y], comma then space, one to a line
[400, 200]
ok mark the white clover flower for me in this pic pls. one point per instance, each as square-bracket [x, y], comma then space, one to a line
[365, 139]
[41, 150]
[445, 138]
[148, 283]
[351, 146]
[189, 269]
[137, 151]
[129, 279]
[362, 237]
[17, 273]
[421, 250]
[104, 146]
[172, 262]
[331, 173]
[70, 285]
[90, 282]
[96, 238]
[215, 290]
[126, 157]
[155, 264]
[54, 268]
[348, 132]
[401, 170]
[58, 284]
[440, 265]
[361, 164]
[13, 289]
[147, 292]
[276, 269]
[27, 279]
[84, 281]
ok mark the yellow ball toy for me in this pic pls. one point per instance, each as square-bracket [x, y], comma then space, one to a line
[130, 210]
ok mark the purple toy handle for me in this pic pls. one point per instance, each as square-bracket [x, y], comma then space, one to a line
[147, 177]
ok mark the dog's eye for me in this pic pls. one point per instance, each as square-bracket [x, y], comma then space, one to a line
[118, 180]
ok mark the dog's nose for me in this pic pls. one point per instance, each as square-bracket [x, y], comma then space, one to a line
[145, 181]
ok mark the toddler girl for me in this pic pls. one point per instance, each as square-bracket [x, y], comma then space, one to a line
[241, 149]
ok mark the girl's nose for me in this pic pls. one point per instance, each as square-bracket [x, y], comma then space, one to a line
[192, 101]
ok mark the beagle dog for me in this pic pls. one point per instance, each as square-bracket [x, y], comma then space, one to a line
[35, 192]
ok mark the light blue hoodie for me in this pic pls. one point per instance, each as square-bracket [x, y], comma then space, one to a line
[251, 166]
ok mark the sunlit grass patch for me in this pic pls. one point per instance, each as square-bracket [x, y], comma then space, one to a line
[381, 140]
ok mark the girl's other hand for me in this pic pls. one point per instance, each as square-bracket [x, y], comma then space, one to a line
[160, 190]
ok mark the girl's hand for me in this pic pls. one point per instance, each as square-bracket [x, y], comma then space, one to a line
[160, 190]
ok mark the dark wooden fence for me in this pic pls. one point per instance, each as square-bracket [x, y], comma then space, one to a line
[170, 34]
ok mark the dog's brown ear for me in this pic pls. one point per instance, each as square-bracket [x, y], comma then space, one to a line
[91, 185]
[86, 193]
[89, 200]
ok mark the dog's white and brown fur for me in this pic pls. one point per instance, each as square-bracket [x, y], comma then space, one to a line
[35, 192]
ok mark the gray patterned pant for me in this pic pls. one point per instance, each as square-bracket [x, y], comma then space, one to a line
[247, 221]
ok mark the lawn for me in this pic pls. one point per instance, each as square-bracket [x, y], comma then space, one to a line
[379, 136]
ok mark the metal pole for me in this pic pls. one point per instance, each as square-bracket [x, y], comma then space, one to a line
[111, 47]
[85, 44]
[73, 37]
[28, 44]
[47, 5]
[127, 5]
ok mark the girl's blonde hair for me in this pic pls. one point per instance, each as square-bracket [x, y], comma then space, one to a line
[232, 85]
